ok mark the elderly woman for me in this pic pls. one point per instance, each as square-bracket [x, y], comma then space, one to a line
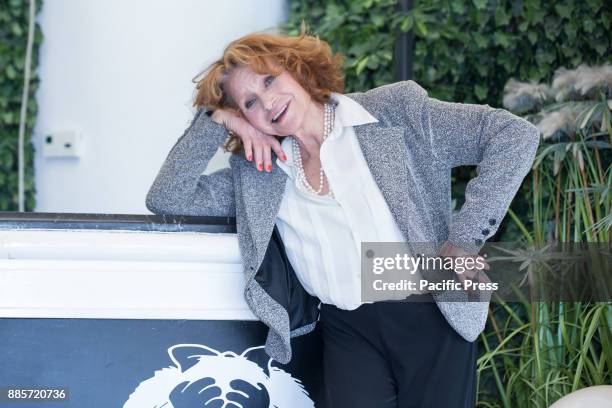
[315, 172]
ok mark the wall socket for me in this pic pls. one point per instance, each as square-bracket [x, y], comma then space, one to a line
[62, 144]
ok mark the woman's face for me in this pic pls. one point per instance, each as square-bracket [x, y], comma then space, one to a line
[261, 97]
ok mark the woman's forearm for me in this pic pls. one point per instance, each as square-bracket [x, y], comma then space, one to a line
[180, 188]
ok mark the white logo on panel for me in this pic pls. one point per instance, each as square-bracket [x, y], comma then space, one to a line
[202, 376]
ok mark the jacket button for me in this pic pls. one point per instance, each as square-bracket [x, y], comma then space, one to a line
[491, 221]
[251, 268]
[478, 241]
[485, 231]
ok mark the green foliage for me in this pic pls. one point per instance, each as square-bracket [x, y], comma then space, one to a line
[363, 32]
[534, 353]
[465, 50]
[13, 42]
[538, 352]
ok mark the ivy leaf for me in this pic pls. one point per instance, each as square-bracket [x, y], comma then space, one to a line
[361, 65]
[407, 24]
[570, 30]
[4, 16]
[10, 72]
[605, 20]
[16, 29]
[601, 48]
[422, 28]
[480, 4]
[500, 38]
[373, 62]
[481, 91]
[482, 70]
[378, 20]
[532, 36]
[564, 10]
[480, 40]
[7, 159]
[501, 17]
[458, 7]
[7, 117]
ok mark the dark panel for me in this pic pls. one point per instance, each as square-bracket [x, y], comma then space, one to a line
[103, 361]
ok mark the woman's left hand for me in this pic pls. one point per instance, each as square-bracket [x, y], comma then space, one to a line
[473, 273]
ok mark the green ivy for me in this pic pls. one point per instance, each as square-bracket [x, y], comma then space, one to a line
[363, 31]
[474, 47]
[464, 50]
[13, 42]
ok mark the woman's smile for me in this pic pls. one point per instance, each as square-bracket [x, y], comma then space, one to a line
[282, 115]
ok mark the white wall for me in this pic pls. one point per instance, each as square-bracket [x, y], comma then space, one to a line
[120, 72]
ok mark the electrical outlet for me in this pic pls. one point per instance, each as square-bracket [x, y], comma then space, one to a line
[62, 144]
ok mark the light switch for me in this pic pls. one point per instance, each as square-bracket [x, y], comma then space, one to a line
[62, 144]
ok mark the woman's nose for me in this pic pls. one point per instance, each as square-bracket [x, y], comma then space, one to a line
[268, 102]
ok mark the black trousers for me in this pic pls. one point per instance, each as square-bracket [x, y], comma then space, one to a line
[395, 354]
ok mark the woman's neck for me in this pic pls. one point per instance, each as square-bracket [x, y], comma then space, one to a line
[310, 135]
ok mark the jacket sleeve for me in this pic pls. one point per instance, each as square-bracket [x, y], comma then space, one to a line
[502, 146]
[180, 188]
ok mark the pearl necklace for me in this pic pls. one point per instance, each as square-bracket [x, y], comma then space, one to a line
[328, 124]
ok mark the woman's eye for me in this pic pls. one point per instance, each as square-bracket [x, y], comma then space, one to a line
[269, 79]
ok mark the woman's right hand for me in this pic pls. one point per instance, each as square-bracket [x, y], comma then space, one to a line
[256, 144]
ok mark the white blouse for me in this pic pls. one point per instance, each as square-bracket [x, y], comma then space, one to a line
[323, 235]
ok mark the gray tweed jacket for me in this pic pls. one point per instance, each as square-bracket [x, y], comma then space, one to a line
[410, 152]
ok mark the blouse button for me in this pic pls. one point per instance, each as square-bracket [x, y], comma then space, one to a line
[491, 221]
[485, 231]
[478, 241]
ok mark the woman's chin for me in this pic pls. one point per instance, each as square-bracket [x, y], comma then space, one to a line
[284, 131]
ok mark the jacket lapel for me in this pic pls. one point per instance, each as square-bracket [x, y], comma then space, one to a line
[262, 194]
[386, 153]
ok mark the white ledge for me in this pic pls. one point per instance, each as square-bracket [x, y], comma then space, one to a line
[121, 274]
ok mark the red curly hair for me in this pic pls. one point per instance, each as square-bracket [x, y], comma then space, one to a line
[308, 59]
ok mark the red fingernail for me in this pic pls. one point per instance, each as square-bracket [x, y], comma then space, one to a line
[284, 157]
[259, 167]
[269, 168]
[249, 158]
